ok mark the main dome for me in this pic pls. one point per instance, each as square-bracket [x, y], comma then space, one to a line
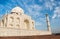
[17, 10]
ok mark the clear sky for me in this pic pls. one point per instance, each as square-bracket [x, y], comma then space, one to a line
[37, 10]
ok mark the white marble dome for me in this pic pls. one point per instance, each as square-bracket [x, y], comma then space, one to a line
[17, 9]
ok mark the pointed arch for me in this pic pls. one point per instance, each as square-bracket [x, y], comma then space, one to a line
[26, 23]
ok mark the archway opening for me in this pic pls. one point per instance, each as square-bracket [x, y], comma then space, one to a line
[26, 23]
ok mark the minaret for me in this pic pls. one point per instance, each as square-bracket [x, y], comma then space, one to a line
[48, 22]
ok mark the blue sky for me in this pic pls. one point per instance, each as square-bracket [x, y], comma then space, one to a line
[37, 10]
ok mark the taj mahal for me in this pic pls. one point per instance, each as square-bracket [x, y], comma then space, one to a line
[16, 23]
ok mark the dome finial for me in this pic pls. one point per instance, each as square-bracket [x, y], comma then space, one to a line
[17, 5]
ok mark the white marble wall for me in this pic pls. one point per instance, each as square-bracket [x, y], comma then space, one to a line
[18, 32]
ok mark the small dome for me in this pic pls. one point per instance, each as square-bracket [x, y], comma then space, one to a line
[18, 10]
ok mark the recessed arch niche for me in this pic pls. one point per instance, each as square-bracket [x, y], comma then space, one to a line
[26, 23]
[11, 19]
[18, 20]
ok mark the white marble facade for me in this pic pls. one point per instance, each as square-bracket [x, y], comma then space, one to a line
[19, 24]
[17, 19]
